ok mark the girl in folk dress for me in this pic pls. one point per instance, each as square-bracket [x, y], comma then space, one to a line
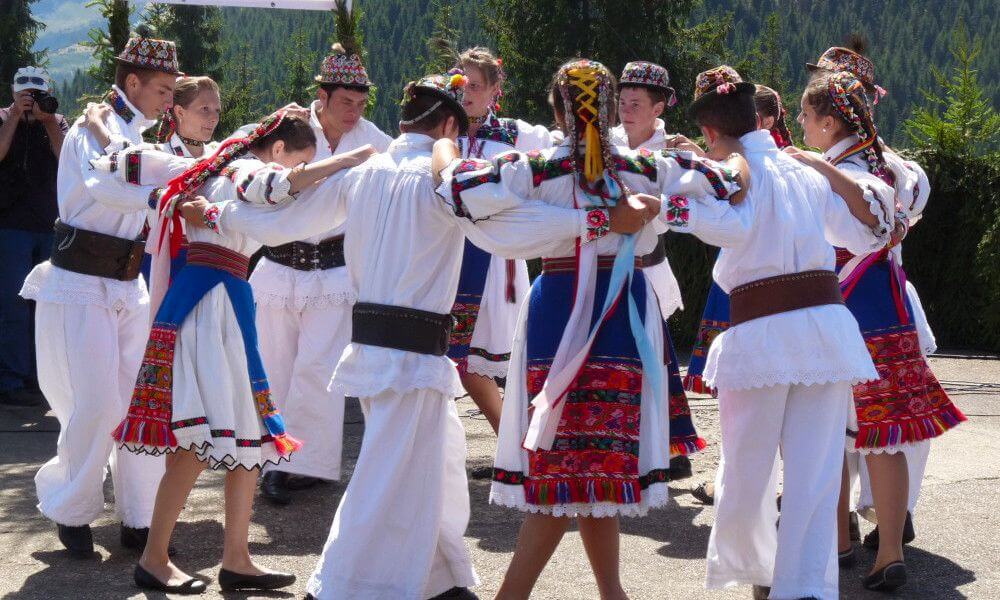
[585, 426]
[491, 289]
[906, 404]
[202, 393]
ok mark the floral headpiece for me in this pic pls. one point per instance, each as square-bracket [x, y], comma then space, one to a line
[839, 59]
[649, 75]
[842, 87]
[448, 88]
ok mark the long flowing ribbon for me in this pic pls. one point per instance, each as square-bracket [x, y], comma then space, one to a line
[572, 353]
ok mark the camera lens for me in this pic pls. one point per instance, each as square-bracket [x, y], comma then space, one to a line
[46, 103]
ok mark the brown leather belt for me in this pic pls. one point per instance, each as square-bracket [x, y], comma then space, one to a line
[657, 256]
[784, 293]
[401, 328]
[98, 254]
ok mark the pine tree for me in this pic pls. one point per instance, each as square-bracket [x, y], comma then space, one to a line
[299, 63]
[239, 96]
[196, 31]
[108, 44]
[441, 50]
[969, 124]
[765, 63]
[19, 31]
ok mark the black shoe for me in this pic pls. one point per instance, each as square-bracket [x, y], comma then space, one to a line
[847, 558]
[457, 593]
[680, 468]
[78, 541]
[482, 473]
[147, 581]
[229, 580]
[134, 538]
[909, 534]
[704, 494]
[853, 528]
[888, 578]
[301, 482]
[272, 487]
[761, 592]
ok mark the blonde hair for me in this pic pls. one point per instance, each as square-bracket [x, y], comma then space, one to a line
[188, 88]
[484, 60]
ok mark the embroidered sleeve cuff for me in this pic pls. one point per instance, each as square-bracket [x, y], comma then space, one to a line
[597, 224]
[676, 212]
[212, 218]
[885, 215]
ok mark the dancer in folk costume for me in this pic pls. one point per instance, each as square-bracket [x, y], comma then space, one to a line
[588, 357]
[186, 129]
[403, 254]
[304, 294]
[912, 192]
[644, 92]
[906, 404]
[202, 392]
[491, 289]
[92, 313]
[784, 367]
[715, 317]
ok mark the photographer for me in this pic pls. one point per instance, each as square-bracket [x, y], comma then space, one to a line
[31, 135]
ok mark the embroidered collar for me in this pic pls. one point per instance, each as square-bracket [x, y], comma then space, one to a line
[191, 142]
[842, 150]
[127, 111]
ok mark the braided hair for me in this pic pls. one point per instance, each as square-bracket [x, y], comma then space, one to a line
[583, 93]
[843, 95]
[768, 104]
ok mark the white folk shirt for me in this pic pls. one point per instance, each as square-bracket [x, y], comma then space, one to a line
[658, 141]
[95, 201]
[661, 276]
[284, 287]
[786, 224]
[404, 248]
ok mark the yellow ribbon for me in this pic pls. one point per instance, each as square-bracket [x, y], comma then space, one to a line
[585, 80]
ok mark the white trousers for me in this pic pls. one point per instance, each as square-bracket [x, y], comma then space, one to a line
[398, 532]
[88, 359]
[300, 349]
[797, 559]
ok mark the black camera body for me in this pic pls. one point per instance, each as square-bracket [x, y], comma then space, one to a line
[46, 102]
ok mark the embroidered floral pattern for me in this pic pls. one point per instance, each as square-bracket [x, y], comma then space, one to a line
[465, 314]
[491, 174]
[712, 175]
[906, 404]
[678, 211]
[149, 415]
[643, 163]
[117, 103]
[133, 165]
[598, 223]
[211, 218]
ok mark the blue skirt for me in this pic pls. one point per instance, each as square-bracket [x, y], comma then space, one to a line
[714, 320]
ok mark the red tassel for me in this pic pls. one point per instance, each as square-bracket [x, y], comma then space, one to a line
[286, 444]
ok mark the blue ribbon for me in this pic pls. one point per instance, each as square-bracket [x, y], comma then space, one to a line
[622, 269]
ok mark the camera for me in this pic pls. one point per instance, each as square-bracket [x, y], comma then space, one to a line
[46, 102]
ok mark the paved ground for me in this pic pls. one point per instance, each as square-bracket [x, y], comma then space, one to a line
[956, 553]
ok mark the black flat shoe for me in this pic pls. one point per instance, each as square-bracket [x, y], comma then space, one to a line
[853, 528]
[888, 578]
[848, 558]
[703, 494]
[761, 592]
[301, 482]
[457, 593]
[909, 534]
[272, 487]
[680, 468]
[230, 580]
[147, 581]
[134, 538]
[78, 541]
[482, 473]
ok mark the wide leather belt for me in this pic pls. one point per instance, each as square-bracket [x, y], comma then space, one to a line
[304, 256]
[401, 328]
[784, 293]
[98, 254]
